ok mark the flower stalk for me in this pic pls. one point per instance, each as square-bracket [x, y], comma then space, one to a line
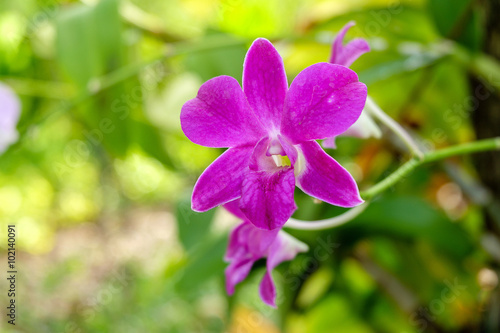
[396, 176]
[433, 156]
[327, 223]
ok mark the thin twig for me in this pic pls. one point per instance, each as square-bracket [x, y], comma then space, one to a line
[433, 156]
[372, 108]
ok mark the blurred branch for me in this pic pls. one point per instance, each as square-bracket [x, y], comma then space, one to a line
[491, 244]
[99, 84]
[37, 88]
[459, 26]
[146, 22]
[403, 296]
[473, 189]
[484, 66]
[477, 193]
[433, 156]
[175, 49]
[488, 68]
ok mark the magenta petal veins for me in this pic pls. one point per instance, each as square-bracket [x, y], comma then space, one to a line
[221, 181]
[220, 116]
[324, 100]
[267, 197]
[265, 83]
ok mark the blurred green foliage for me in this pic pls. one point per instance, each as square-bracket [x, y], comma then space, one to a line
[98, 185]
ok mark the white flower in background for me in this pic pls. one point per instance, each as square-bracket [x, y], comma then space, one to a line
[10, 110]
[364, 128]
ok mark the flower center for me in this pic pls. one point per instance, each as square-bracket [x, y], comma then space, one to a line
[276, 151]
[281, 161]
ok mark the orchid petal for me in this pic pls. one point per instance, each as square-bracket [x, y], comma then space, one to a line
[220, 116]
[221, 181]
[320, 176]
[324, 100]
[265, 83]
[330, 143]
[247, 244]
[234, 208]
[364, 128]
[267, 197]
[236, 272]
[253, 241]
[284, 248]
[236, 238]
[346, 55]
[267, 289]
[351, 52]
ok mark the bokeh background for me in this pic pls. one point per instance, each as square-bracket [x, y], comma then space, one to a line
[99, 183]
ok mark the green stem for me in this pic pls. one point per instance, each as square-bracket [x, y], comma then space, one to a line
[145, 21]
[99, 84]
[327, 223]
[38, 88]
[174, 49]
[433, 156]
[403, 171]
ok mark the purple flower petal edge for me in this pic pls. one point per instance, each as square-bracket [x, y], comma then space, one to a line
[346, 55]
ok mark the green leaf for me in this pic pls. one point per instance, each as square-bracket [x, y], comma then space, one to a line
[76, 36]
[221, 61]
[206, 263]
[411, 218]
[149, 138]
[89, 46]
[458, 20]
[396, 67]
[88, 40]
[193, 227]
[109, 25]
[335, 311]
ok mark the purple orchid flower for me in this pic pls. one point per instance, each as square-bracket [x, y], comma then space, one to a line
[247, 244]
[345, 55]
[270, 131]
[10, 109]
